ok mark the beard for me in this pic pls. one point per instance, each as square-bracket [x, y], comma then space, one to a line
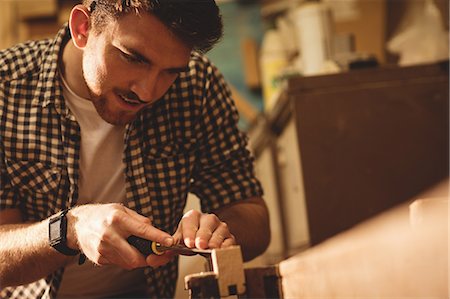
[116, 118]
[102, 106]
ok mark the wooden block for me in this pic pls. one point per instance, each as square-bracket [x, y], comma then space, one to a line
[202, 285]
[228, 265]
[263, 282]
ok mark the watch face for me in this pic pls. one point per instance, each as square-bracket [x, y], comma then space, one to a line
[55, 232]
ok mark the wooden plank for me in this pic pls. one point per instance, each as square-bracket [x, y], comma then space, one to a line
[385, 257]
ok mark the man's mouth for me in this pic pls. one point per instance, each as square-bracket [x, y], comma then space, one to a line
[132, 101]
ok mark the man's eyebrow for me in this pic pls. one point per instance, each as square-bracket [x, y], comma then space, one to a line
[137, 55]
[143, 59]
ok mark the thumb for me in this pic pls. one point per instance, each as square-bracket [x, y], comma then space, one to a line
[178, 235]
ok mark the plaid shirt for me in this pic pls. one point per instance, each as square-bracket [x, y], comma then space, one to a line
[187, 142]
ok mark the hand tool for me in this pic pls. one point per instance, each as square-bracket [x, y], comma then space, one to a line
[147, 247]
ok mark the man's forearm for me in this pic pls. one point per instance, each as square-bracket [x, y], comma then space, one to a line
[25, 255]
[249, 223]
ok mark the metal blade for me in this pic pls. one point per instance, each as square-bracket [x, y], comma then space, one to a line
[183, 250]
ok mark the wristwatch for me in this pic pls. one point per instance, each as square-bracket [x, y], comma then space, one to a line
[57, 233]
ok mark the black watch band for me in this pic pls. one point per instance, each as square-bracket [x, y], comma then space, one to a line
[57, 233]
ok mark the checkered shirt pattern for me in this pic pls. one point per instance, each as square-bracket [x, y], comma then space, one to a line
[187, 142]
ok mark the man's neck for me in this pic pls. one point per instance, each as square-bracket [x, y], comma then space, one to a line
[71, 68]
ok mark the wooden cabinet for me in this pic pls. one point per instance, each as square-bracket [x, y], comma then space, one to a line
[361, 142]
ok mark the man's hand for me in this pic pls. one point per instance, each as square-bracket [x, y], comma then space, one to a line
[100, 232]
[203, 231]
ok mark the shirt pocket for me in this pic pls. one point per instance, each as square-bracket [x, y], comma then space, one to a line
[33, 177]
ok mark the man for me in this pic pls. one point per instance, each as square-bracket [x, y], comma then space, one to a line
[113, 123]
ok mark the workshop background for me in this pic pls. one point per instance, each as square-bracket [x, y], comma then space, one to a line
[345, 103]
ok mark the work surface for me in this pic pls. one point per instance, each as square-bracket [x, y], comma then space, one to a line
[402, 253]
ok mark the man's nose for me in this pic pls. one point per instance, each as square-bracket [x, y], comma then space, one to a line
[146, 86]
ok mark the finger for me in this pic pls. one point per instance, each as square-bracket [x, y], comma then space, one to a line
[106, 255]
[102, 261]
[228, 242]
[130, 257]
[132, 226]
[208, 224]
[159, 260]
[219, 235]
[116, 250]
[177, 236]
[137, 216]
[189, 227]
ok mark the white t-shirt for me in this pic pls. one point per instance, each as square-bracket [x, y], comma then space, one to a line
[101, 180]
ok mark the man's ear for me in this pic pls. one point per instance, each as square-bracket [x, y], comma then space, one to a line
[79, 24]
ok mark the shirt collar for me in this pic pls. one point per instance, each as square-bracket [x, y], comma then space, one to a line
[49, 88]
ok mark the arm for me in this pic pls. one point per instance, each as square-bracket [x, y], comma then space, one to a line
[100, 231]
[248, 221]
[25, 255]
[223, 177]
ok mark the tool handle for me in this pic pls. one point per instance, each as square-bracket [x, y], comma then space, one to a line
[146, 247]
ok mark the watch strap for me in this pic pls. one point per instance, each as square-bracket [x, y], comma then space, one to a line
[59, 242]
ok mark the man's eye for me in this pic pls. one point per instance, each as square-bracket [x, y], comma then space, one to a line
[129, 58]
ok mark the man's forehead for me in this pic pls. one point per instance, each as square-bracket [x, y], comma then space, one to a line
[150, 39]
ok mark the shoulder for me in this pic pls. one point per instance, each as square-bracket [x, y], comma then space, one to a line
[202, 84]
[202, 69]
[22, 60]
[199, 61]
[213, 93]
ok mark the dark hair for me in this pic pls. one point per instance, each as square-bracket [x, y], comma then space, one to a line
[198, 23]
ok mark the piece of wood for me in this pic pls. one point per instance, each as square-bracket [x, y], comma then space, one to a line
[263, 282]
[382, 258]
[227, 277]
[228, 265]
[202, 285]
